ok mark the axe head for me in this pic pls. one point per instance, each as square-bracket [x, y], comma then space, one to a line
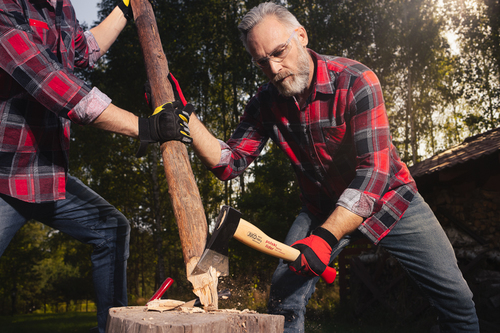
[216, 251]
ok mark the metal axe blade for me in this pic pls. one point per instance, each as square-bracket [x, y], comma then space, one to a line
[216, 251]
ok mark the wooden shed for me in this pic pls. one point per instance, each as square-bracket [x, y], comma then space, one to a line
[462, 186]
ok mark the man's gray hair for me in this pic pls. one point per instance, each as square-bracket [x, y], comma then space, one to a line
[258, 13]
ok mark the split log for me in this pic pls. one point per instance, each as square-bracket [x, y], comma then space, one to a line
[135, 320]
[184, 193]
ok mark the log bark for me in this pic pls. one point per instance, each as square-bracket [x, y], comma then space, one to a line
[136, 320]
[184, 193]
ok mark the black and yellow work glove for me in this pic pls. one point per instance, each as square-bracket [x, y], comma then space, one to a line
[126, 8]
[168, 122]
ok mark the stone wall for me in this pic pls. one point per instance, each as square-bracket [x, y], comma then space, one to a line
[468, 208]
[466, 201]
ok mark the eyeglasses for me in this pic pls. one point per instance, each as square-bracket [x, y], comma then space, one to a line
[278, 55]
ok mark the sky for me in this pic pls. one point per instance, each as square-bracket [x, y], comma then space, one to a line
[86, 10]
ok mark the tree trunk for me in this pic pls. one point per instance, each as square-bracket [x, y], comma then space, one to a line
[184, 193]
[413, 132]
[160, 268]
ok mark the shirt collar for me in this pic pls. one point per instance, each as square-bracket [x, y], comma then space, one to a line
[52, 3]
[324, 82]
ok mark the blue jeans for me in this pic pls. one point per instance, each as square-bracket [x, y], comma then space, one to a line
[421, 246]
[89, 218]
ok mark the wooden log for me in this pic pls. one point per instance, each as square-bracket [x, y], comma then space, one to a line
[184, 193]
[137, 320]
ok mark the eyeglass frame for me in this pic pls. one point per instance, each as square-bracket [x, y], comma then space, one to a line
[276, 59]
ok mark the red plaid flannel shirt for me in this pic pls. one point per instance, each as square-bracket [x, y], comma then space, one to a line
[39, 47]
[339, 145]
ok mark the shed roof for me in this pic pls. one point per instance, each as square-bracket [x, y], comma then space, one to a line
[470, 149]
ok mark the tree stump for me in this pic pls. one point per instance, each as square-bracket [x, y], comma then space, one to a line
[137, 320]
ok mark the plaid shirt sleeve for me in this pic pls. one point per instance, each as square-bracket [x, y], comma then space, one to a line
[26, 57]
[244, 146]
[94, 51]
[372, 141]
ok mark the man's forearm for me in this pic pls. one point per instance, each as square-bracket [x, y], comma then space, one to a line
[109, 29]
[342, 222]
[205, 145]
[116, 120]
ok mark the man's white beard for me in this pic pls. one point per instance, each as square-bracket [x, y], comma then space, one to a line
[298, 81]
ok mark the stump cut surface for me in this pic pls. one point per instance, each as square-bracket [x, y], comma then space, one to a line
[137, 320]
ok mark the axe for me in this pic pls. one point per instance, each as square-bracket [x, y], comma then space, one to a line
[230, 224]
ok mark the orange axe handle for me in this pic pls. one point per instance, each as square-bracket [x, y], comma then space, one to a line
[255, 238]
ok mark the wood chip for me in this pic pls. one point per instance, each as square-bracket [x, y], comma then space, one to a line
[163, 305]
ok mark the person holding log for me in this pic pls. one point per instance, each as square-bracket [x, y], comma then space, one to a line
[327, 114]
[41, 42]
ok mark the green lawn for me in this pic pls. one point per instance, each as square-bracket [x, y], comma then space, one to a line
[344, 323]
[335, 326]
[81, 322]
[71, 322]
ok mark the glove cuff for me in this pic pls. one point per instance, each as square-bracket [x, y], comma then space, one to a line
[144, 137]
[326, 235]
[125, 9]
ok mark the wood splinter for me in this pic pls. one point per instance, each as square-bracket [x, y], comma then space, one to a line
[205, 286]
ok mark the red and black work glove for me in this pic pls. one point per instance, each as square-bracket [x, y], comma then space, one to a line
[176, 88]
[168, 122]
[315, 253]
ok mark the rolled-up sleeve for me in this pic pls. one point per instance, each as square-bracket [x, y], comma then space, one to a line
[372, 140]
[39, 71]
[94, 103]
[243, 147]
[90, 107]
[94, 50]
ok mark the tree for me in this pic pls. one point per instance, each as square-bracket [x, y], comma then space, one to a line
[18, 272]
[434, 96]
[478, 28]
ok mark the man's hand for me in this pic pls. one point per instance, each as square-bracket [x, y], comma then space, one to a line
[168, 122]
[316, 251]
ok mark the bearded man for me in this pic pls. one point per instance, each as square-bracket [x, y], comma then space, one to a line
[327, 114]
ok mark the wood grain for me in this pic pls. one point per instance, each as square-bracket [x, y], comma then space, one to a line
[183, 190]
[136, 320]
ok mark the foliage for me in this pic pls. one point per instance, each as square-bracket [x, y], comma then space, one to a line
[72, 322]
[20, 279]
[478, 26]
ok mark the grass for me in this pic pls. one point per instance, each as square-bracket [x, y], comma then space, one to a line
[341, 320]
[334, 326]
[81, 322]
[68, 322]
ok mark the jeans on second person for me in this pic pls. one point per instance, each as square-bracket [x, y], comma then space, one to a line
[87, 217]
[420, 245]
